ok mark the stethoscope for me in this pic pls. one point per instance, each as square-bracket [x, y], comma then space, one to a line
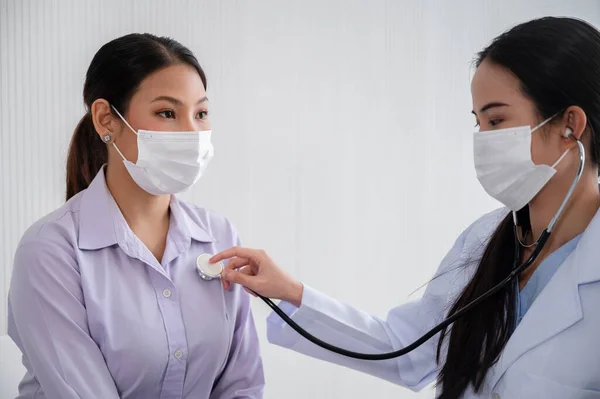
[206, 270]
[209, 271]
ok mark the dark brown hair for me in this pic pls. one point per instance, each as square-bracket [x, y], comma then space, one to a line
[114, 74]
[556, 61]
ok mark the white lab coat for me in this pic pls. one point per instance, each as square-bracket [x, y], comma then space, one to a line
[553, 354]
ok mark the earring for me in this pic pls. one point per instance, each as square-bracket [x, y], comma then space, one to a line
[106, 138]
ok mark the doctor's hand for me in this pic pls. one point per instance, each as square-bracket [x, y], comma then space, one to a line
[256, 271]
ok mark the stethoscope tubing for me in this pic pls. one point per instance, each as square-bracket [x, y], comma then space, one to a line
[517, 270]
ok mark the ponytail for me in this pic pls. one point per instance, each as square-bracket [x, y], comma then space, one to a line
[477, 339]
[87, 154]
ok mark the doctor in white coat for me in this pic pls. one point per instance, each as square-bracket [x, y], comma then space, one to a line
[536, 98]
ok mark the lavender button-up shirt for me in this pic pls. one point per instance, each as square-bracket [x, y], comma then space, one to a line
[97, 316]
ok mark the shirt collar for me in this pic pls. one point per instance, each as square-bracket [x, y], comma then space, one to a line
[185, 220]
[96, 221]
[100, 219]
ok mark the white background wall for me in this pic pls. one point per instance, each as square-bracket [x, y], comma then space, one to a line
[342, 130]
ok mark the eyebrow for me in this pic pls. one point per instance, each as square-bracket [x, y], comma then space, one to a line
[176, 101]
[489, 106]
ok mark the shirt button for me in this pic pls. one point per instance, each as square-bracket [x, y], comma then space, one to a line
[167, 293]
[178, 354]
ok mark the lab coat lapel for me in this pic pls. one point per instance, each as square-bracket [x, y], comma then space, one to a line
[588, 266]
[556, 309]
[558, 306]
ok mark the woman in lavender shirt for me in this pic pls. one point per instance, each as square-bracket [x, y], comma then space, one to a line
[105, 301]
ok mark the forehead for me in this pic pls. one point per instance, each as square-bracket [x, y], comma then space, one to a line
[493, 83]
[180, 81]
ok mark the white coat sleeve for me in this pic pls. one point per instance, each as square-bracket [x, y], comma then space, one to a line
[352, 329]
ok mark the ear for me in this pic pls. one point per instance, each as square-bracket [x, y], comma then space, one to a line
[105, 122]
[575, 120]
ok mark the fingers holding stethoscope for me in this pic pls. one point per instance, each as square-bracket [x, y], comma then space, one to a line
[256, 271]
[240, 276]
[254, 255]
[238, 271]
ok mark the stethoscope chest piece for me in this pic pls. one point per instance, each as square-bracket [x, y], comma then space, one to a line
[206, 270]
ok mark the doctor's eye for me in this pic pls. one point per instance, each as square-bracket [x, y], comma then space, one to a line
[202, 115]
[169, 114]
[496, 122]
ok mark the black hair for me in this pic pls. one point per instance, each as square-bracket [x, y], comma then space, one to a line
[115, 74]
[557, 61]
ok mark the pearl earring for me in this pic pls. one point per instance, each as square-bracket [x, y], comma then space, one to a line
[106, 138]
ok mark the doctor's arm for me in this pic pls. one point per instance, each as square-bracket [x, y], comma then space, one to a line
[345, 326]
[48, 322]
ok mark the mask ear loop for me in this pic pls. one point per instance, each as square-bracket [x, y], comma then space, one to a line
[561, 158]
[128, 125]
[123, 119]
[544, 122]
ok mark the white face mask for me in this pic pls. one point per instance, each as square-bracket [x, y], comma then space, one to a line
[168, 162]
[504, 166]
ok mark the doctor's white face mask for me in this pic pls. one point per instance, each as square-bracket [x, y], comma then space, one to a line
[168, 162]
[504, 166]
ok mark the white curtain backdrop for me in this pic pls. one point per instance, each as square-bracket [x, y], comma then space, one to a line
[342, 133]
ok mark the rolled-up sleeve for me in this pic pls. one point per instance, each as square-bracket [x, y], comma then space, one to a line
[48, 322]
